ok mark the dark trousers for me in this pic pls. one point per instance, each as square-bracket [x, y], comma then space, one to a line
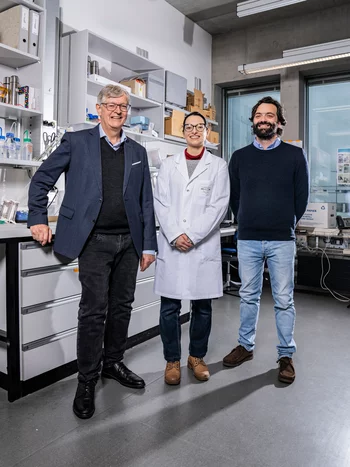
[170, 328]
[107, 272]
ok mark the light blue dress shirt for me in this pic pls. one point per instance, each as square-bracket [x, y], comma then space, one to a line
[274, 145]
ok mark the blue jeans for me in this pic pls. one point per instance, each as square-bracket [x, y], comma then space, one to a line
[170, 328]
[280, 261]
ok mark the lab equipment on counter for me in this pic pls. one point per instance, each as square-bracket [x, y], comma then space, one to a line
[8, 210]
[48, 139]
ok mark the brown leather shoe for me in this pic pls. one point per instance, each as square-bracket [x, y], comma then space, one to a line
[237, 356]
[199, 368]
[172, 374]
[286, 372]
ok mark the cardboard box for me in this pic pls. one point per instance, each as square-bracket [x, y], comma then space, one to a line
[198, 98]
[210, 113]
[319, 215]
[213, 137]
[173, 124]
[137, 86]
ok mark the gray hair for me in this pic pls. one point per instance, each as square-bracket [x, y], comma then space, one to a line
[112, 90]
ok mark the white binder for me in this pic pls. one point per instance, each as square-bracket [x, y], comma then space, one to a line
[14, 27]
[34, 22]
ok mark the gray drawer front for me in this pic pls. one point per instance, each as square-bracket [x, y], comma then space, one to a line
[51, 355]
[150, 271]
[32, 256]
[144, 293]
[50, 286]
[52, 318]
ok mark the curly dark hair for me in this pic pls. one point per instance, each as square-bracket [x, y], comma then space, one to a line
[280, 112]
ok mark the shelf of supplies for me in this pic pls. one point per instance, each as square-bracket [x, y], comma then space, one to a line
[6, 4]
[182, 141]
[18, 163]
[186, 112]
[13, 112]
[15, 58]
[137, 102]
[114, 53]
[140, 137]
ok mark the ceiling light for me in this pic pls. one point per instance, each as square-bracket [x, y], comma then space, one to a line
[335, 108]
[251, 7]
[301, 56]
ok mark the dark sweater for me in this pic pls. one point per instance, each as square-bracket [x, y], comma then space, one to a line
[112, 218]
[269, 191]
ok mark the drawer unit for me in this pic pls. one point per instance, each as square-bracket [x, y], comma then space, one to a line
[52, 352]
[150, 271]
[144, 293]
[49, 285]
[3, 357]
[32, 256]
[50, 318]
[143, 318]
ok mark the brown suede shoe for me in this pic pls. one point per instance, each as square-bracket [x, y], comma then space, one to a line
[237, 356]
[172, 374]
[199, 368]
[286, 372]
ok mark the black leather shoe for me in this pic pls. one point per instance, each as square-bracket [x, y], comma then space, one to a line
[123, 375]
[84, 401]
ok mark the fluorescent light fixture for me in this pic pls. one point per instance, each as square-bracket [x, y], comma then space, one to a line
[251, 7]
[301, 56]
[336, 108]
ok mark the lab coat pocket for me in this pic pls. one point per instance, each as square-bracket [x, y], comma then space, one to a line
[203, 192]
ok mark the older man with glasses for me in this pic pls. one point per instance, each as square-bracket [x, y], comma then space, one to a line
[107, 221]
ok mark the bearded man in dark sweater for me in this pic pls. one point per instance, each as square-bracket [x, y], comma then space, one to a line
[269, 194]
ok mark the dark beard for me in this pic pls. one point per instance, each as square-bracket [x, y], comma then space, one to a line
[265, 133]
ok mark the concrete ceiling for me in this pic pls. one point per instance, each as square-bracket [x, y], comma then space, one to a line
[220, 16]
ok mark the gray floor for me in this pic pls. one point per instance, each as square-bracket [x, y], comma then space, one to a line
[241, 417]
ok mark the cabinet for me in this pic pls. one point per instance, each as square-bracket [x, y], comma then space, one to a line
[29, 70]
[79, 92]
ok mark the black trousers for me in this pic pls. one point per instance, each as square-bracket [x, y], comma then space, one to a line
[107, 272]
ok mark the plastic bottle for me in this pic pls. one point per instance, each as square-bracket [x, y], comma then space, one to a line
[27, 148]
[18, 146]
[10, 147]
[2, 144]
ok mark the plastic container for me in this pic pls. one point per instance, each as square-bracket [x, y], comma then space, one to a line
[18, 146]
[10, 147]
[27, 148]
[2, 147]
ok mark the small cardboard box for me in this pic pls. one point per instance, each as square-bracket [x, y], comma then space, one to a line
[213, 137]
[137, 86]
[198, 98]
[320, 215]
[173, 124]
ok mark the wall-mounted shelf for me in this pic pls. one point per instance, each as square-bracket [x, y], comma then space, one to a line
[13, 112]
[15, 58]
[6, 4]
[18, 163]
[139, 137]
[186, 112]
[137, 102]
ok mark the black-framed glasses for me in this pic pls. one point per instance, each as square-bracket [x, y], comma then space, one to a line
[199, 127]
[111, 107]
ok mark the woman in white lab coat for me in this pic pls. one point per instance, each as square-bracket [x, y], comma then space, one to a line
[191, 199]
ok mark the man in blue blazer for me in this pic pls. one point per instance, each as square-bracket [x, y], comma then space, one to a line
[107, 221]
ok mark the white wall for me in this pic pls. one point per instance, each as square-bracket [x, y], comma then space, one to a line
[153, 25]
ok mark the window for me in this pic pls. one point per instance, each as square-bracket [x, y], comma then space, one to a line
[239, 104]
[328, 131]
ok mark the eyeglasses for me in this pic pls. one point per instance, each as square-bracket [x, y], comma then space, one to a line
[199, 127]
[111, 107]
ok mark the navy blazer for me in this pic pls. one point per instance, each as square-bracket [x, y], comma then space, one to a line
[79, 157]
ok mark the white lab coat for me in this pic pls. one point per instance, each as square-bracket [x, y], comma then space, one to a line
[194, 206]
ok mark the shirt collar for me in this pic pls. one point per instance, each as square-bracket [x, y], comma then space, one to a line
[117, 145]
[274, 145]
